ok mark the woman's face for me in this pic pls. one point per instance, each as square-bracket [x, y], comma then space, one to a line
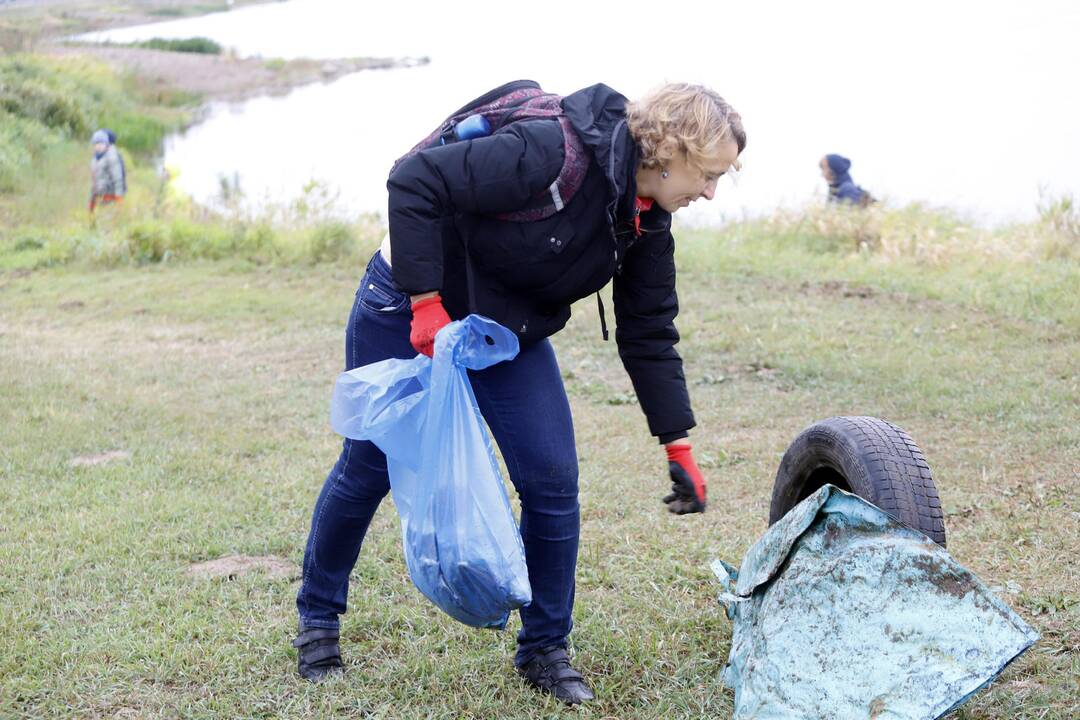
[100, 148]
[685, 183]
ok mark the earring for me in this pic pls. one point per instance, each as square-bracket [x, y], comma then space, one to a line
[664, 173]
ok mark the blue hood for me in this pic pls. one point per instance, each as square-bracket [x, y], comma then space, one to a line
[839, 165]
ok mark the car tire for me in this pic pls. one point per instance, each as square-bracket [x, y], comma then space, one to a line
[869, 457]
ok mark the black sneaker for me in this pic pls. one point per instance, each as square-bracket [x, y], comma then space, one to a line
[549, 670]
[319, 654]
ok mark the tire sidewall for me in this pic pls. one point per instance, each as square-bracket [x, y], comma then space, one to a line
[819, 446]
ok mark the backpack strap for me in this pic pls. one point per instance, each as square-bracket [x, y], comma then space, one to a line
[503, 96]
[518, 101]
[567, 182]
[492, 95]
[603, 316]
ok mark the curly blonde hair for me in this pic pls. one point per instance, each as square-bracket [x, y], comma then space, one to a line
[681, 117]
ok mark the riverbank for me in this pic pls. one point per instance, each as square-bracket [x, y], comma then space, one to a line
[221, 77]
[44, 28]
[52, 104]
[50, 107]
[25, 25]
[55, 93]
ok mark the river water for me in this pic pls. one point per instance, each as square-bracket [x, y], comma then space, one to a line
[970, 105]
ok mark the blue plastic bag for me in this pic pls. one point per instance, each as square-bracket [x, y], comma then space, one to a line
[462, 545]
[840, 611]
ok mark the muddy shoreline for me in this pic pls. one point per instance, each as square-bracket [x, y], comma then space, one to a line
[222, 77]
[44, 26]
[45, 20]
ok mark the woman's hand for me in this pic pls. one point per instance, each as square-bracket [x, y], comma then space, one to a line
[429, 316]
[687, 484]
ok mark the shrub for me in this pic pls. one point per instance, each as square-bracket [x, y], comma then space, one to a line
[200, 45]
[21, 141]
[71, 99]
[32, 97]
[332, 240]
[932, 236]
[189, 10]
[147, 242]
[138, 133]
[1059, 222]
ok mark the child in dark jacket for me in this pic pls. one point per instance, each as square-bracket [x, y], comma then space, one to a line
[842, 189]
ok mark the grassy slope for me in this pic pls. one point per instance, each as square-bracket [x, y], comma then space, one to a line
[48, 109]
[216, 377]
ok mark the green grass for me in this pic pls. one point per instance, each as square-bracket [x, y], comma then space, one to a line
[206, 344]
[200, 45]
[178, 11]
[216, 377]
[67, 99]
[25, 26]
[1030, 270]
[48, 109]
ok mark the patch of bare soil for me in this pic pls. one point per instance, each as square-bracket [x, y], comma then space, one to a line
[234, 566]
[100, 458]
[222, 76]
[838, 287]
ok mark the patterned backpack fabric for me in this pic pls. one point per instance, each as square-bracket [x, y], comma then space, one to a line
[514, 102]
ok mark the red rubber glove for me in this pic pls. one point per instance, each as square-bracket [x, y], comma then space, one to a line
[687, 484]
[428, 317]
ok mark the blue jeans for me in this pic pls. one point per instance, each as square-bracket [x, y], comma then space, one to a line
[524, 404]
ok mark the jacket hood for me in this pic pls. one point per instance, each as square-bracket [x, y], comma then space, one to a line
[839, 165]
[598, 115]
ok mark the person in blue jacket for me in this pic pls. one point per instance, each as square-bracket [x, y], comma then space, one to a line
[458, 243]
[842, 189]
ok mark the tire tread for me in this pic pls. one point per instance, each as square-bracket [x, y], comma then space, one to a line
[898, 474]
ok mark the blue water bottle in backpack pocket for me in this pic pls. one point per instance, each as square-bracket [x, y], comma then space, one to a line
[473, 126]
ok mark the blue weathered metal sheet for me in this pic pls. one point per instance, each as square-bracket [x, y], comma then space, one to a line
[840, 611]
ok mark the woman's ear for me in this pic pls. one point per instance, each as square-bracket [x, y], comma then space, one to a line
[667, 150]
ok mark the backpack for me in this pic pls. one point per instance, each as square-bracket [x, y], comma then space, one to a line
[495, 110]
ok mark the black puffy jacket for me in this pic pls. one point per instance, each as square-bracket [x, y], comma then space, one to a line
[525, 275]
